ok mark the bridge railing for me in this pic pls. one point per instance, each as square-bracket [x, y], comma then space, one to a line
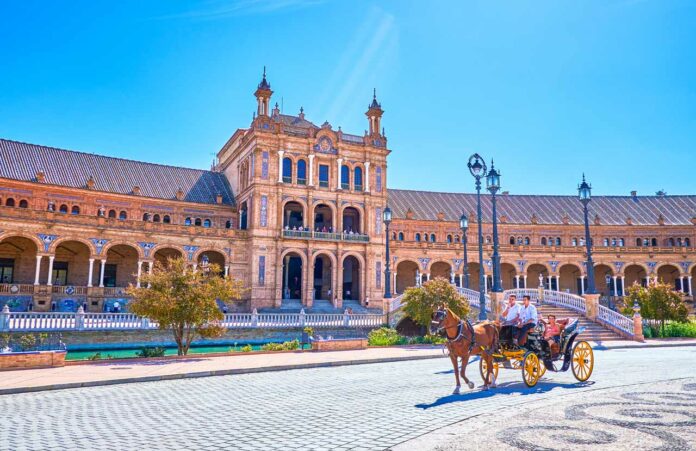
[533, 293]
[396, 303]
[616, 320]
[567, 300]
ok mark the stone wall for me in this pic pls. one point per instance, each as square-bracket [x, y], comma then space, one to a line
[37, 359]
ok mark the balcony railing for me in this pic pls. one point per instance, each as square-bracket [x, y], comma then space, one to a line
[330, 236]
[16, 288]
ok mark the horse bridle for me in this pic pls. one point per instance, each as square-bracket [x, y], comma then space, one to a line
[459, 326]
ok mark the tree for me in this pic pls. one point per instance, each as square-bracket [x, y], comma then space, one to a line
[184, 300]
[659, 302]
[422, 301]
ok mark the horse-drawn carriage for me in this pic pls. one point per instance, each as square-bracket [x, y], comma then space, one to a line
[536, 356]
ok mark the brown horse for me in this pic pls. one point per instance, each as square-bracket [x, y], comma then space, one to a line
[465, 340]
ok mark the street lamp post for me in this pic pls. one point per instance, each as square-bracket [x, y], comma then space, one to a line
[387, 217]
[477, 167]
[585, 195]
[464, 225]
[493, 185]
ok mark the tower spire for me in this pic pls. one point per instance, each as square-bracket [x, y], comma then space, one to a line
[263, 95]
[374, 114]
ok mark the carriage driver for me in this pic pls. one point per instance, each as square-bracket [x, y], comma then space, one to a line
[528, 318]
[512, 311]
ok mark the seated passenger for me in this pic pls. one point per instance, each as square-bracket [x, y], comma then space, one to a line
[527, 320]
[511, 313]
[552, 334]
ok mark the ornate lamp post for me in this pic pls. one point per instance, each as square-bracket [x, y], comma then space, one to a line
[386, 218]
[464, 225]
[477, 167]
[493, 185]
[585, 194]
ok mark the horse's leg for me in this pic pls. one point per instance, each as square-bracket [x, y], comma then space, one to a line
[453, 358]
[465, 361]
[490, 377]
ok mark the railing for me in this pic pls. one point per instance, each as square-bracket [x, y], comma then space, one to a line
[114, 291]
[567, 300]
[16, 288]
[69, 290]
[287, 233]
[615, 319]
[473, 297]
[37, 321]
[355, 237]
[332, 236]
[326, 236]
[533, 293]
[396, 303]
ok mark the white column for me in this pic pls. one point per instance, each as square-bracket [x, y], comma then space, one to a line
[525, 280]
[338, 173]
[38, 269]
[280, 165]
[418, 278]
[549, 281]
[311, 170]
[623, 286]
[227, 270]
[149, 271]
[616, 291]
[461, 280]
[558, 283]
[682, 284]
[394, 283]
[50, 270]
[452, 277]
[582, 285]
[90, 272]
[517, 281]
[485, 284]
[367, 176]
[691, 292]
[140, 270]
[101, 273]
[195, 267]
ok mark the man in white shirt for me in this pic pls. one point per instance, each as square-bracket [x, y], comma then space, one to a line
[527, 320]
[512, 311]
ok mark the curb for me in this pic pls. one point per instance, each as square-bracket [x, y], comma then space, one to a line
[227, 372]
[600, 347]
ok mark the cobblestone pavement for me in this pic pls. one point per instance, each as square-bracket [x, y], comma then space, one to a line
[374, 406]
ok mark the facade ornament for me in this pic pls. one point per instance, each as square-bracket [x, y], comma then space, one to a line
[146, 247]
[457, 262]
[685, 266]
[651, 266]
[51, 206]
[618, 266]
[534, 219]
[47, 240]
[180, 194]
[190, 250]
[102, 211]
[41, 177]
[521, 265]
[554, 265]
[597, 220]
[91, 183]
[424, 262]
[99, 244]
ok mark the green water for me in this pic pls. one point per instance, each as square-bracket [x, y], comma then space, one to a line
[129, 353]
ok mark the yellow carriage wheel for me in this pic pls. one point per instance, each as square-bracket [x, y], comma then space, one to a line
[483, 369]
[531, 369]
[542, 369]
[583, 361]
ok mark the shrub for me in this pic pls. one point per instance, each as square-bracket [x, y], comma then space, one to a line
[385, 336]
[156, 351]
[246, 348]
[658, 301]
[286, 346]
[309, 331]
[422, 301]
[4, 340]
[27, 341]
[96, 356]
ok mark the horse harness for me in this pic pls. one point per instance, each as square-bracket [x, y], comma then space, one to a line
[460, 333]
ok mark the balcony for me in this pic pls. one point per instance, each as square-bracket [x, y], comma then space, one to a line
[326, 236]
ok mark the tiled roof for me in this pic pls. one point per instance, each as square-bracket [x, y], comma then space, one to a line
[21, 161]
[519, 209]
[295, 121]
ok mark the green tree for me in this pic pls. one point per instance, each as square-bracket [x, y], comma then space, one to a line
[184, 300]
[422, 301]
[659, 302]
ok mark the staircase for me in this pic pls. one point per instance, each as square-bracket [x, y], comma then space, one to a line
[320, 306]
[593, 331]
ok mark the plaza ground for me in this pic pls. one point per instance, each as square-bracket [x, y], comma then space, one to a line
[375, 406]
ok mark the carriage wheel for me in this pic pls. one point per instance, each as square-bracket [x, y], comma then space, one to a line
[583, 361]
[530, 369]
[542, 369]
[483, 369]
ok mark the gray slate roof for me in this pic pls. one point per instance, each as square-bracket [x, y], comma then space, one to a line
[549, 209]
[22, 161]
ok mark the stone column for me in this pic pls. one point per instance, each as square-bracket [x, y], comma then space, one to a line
[525, 280]
[691, 287]
[548, 278]
[227, 270]
[582, 285]
[592, 304]
[149, 271]
[50, 270]
[558, 283]
[101, 273]
[461, 280]
[38, 269]
[310, 182]
[140, 270]
[517, 281]
[367, 176]
[452, 277]
[623, 285]
[339, 162]
[90, 272]
[637, 324]
[616, 291]
[280, 165]
[394, 284]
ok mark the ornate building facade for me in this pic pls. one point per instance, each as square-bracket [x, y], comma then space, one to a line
[295, 210]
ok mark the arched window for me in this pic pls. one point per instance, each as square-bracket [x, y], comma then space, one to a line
[574, 242]
[654, 242]
[558, 241]
[526, 241]
[449, 239]
[156, 218]
[345, 177]
[146, 217]
[358, 179]
[228, 224]
[123, 216]
[393, 237]
[63, 208]
[670, 242]
[207, 223]
[687, 242]
[112, 214]
[75, 210]
[11, 202]
[198, 222]
[432, 237]
[187, 221]
[543, 241]
[679, 240]
[622, 243]
[301, 172]
[166, 219]
[512, 240]
[23, 203]
[550, 241]
[456, 238]
[425, 236]
[287, 170]
[417, 237]
[401, 236]
[488, 240]
[639, 242]
[605, 242]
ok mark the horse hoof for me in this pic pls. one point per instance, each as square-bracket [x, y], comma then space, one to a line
[484, 388]
[471, 385]
[456, 391]
[494, 386]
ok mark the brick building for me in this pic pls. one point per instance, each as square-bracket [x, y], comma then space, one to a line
[295, 210]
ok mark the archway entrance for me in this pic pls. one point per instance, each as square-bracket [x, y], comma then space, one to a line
[322, 277]
[212, 258]
[405, 275]
[570, 278]
[18, 260]
[71, 265]
[163, 255]
[293, 215]
[121, 266]
[351, 278]
[507, 274]
[533, 272]
[604, 282]
[635, 274]
[441, 269]
[669, 274]
[292, 276]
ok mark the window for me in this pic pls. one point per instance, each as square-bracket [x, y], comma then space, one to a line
[358, 179]
[146, 217]
[488, 240]
[558, 241]
[613, 242]
[112, 214]
[574, 242]
[687, 242]
[606, 242]
[323, 176]
[156, 218]
[526, 241]
[75, 210]
[301, 172]
[23, 203]
[198, 222]
[63, 208]
[639, 242]
[512, 240]
[287, 170]
[11, 202]
[654, 242]
[60, 273]
[228, 224]
[449, 238]
[425, 236]
[401, 236]
[432, 237]
[670, 242]
[123, 215]
[345, 177]
[417, 237]
[110, 275]
[543, 241]
[456, 238]
[6, 270]
[166, 219]
[187, 221]
[394, 236]
[622, 243]
[207, 223]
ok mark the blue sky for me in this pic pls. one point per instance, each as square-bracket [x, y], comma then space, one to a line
[547, 89]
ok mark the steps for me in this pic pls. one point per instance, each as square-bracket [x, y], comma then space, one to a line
[321, 306]
[593, 331]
